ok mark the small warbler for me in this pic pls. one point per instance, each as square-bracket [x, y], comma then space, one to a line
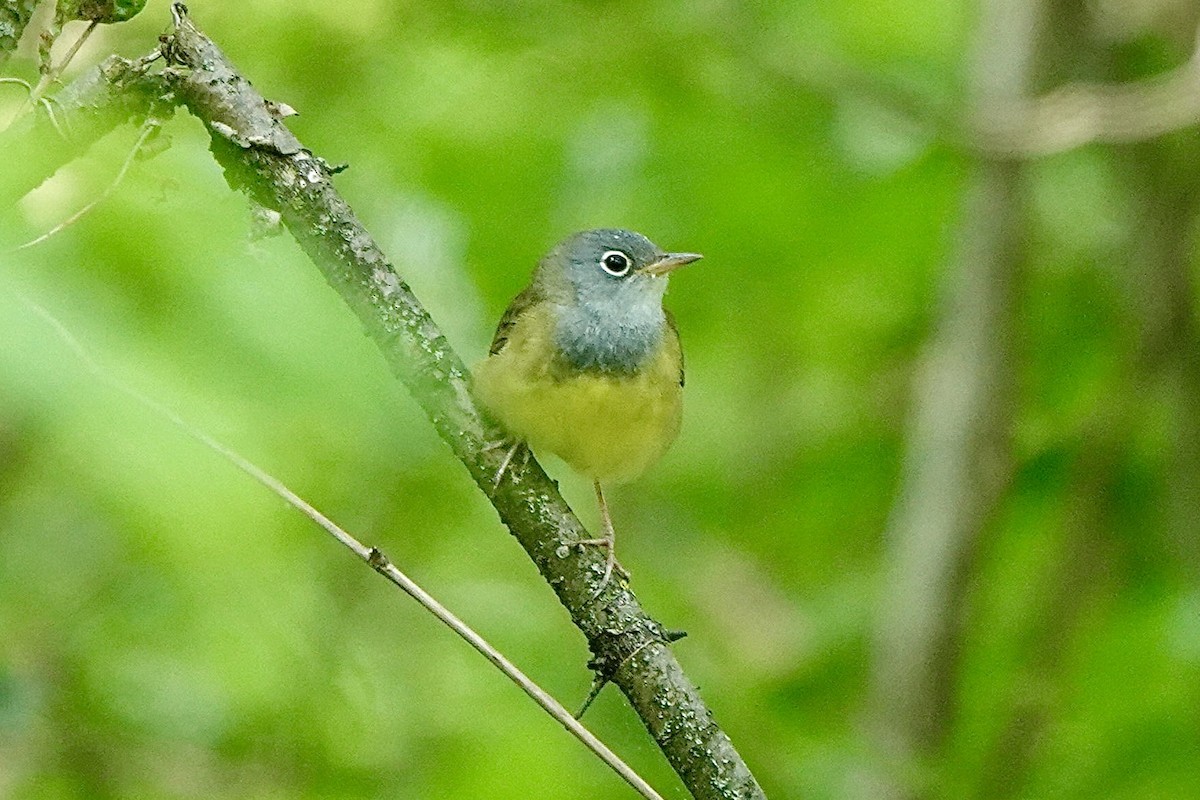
[586, 362]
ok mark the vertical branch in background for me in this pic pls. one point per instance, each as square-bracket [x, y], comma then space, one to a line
[14, 16]
[1164, 189]
[957, 462]
[1075, 582]
[1164, 194]
[1167, 191]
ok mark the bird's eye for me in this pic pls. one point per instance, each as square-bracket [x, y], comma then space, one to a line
[615, 263]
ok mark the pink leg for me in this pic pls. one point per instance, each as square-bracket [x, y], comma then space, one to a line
[608, 541]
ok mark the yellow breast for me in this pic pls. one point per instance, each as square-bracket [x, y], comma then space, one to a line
[610, 428]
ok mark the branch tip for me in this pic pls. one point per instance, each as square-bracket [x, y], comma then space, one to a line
[377, 559]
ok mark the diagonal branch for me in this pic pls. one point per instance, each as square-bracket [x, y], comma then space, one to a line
[263, 158]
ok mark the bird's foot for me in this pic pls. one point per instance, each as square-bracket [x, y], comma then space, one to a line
[608, 541]
[611, 564]
[511, 447]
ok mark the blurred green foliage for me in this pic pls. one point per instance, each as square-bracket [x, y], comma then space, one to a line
[168, 629]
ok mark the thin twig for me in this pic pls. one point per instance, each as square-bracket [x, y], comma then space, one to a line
[56, 71]
[19, 82]
[44, 101]
[148, 127]
[372, 556]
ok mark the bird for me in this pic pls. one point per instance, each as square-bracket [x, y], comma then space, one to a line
[586, 364]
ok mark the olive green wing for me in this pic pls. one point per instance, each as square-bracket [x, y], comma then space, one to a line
[673, 341]
[519, 305]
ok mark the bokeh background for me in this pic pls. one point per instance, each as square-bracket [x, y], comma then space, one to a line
[931, 524]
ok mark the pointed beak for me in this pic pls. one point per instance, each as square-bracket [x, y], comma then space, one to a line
[670, 262]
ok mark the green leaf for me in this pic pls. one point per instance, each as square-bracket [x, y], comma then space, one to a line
[99, 10]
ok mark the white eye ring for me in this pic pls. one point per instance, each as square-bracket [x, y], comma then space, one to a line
[616, 263]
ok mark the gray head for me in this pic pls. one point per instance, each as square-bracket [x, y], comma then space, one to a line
[606, 264]
[607, 286]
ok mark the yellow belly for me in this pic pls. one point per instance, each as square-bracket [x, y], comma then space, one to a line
[610, 428]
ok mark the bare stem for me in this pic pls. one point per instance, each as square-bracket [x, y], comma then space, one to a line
[55, 72]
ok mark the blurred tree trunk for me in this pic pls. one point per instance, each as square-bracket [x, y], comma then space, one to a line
[1164, 189]
[1165, 198]
[957, 465]
[958, 460]
[1080, 576]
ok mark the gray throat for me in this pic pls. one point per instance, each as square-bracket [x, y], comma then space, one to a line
[598, 338]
